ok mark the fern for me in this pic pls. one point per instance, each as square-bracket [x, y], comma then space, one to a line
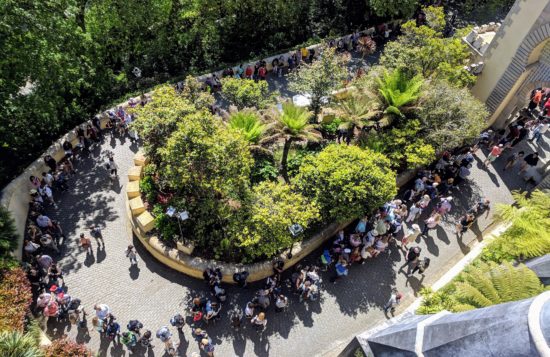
[397, 90]
[490, 284]
[529, 233]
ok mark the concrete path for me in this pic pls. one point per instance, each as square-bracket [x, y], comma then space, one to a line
[153, 293]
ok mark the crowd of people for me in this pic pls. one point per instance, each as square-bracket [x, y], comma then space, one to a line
[397, 224]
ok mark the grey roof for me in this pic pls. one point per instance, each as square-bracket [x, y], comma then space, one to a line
[541, 267]
[500, 330]
[396, 340]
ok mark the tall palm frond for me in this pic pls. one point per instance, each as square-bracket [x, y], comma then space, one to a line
[249, 124]
[490, 284]
[291, 125]
[398, 90]
[17, 344]
[357, 108]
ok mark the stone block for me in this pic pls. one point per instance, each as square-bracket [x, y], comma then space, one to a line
[132, 189]
[185, 248]
[146, 221]
[134, 174]
[140, 159]
[137, 206]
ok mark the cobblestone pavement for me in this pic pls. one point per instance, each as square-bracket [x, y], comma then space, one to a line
[153, 293]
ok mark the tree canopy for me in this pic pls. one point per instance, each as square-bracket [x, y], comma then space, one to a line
[423, 50]
[347, 181]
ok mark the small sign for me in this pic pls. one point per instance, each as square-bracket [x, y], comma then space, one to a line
[184, 215]
[171, 211]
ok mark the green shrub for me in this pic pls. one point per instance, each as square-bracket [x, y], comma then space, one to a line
[166, 225]
[246, 93]
[332, 127]
[264, 231]
[346, 181]
[8, 234]
[148, 187]
[264, 170]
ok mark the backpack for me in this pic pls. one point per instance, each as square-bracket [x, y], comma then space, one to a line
[134, 325]
[177, 320]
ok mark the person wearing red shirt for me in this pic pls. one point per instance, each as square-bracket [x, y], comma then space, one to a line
[262, 72]
[248, 72]
[495, 152]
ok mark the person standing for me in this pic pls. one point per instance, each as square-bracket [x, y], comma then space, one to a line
[422, 266]
[494, 154]
[259, 321]
[513, 159]
[414, 212]
[207, 347]
[392, 303]
[410, 234]
[431, 223]
[412, 258]
[131, 254]
[464, 223]
[529, 161]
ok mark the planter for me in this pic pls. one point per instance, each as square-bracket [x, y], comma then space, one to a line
[185, 248]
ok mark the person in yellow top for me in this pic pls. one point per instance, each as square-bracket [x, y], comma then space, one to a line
[304, 52]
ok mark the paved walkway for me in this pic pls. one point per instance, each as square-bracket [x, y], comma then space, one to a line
[153, 293]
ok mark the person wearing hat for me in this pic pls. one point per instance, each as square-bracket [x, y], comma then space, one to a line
[494, 154]
[392, 303]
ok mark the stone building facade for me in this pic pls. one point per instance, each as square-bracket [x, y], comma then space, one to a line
[516, 61]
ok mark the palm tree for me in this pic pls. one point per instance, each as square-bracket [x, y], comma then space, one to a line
[291, 125]
[249, 124]
[17, 344]
[529, 233]
[398, 92]
[490, 284]
[356, 108]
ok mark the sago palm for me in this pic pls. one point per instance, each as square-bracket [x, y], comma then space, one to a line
[17, 344]
[357, 108]
[249, 124]
[529, 233]
[489, 284]
[398, 91]
[291, 125]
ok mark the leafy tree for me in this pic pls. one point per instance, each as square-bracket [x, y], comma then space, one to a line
[394, 8]
[397, 90]
[158, 120]
[17, 344]
[319, 78]
[292, 125]
[481, 285]
[249, 124]
[450, 115]
[529, 233]
[274, 208]
[347, 181]
[435, 17]
[246, 93]
[423, 50]
[208, 168]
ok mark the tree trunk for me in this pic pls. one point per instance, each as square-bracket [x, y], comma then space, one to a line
[284, 159]
[80, 15]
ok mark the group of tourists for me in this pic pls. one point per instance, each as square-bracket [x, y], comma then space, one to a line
[532, 124]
